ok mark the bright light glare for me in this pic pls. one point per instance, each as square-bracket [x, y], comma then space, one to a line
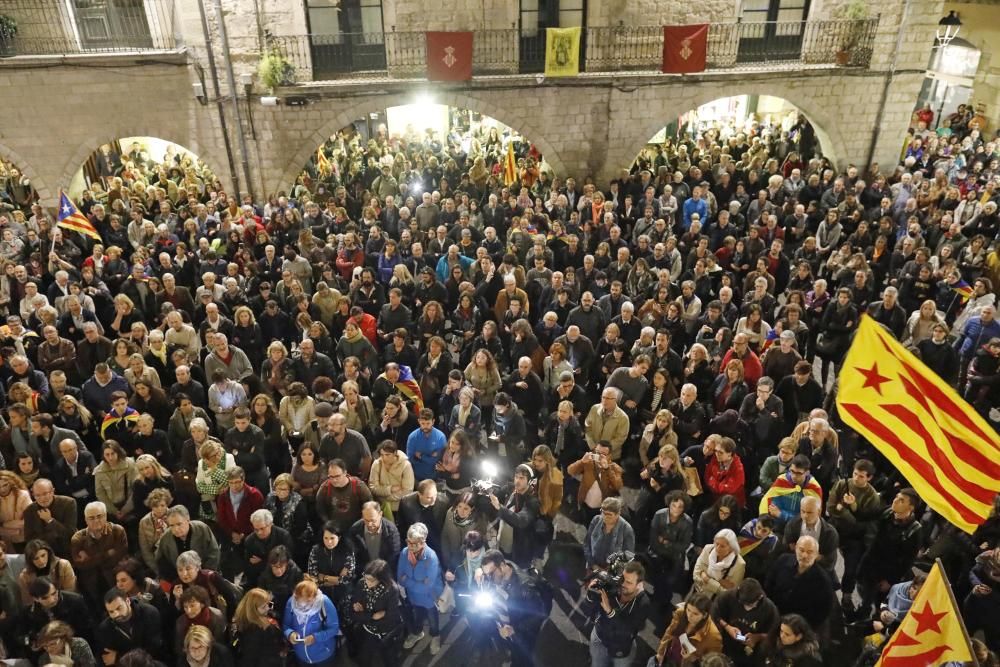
[484, 600]
[490, 469]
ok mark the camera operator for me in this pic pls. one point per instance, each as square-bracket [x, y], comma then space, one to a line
[514, 606]
[508, 433]
[516, 532]
[619, 619]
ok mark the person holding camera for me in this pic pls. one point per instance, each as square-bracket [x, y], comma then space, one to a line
[600, 478]
[516, 532]
[619, 618]
[508, 434]
[510, 598]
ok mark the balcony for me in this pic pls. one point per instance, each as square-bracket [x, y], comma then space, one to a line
[731, 47]
[71, 27]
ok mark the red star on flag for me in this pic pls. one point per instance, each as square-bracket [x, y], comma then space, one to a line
[872, 377]
[927, 619]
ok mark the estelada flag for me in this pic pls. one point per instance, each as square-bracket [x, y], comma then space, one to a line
[562, 51]
[449, 56]
[941, 445]
[932, 632]
[509, 165]
[69, 217]
[685, 48]
[323, 165]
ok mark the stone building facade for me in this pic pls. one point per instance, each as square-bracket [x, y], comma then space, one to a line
[61, 108]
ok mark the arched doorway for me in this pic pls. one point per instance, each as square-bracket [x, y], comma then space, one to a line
[17, 192]
[130, 167]
[754, 129]
[424, 146]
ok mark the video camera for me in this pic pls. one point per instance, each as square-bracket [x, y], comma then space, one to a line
[486, 485]
[609, 580]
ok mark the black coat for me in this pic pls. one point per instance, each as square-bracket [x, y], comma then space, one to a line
[389, 548]
[809, 594]
[261, 647]
[145, 631]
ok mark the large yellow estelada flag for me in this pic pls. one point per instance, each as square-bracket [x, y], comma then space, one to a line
[932, 632]
[562, 51]
[940, 444]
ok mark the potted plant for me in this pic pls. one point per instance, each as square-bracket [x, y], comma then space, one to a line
[8, 29]
[275, 70]
[851, 34]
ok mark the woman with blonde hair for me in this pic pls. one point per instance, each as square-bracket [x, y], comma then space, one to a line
[138, 370]
[114, 477]
[21, 392]
[214, 462]
[276, 371]
[14, 499]
[125, 315]
[553, 366]
[656, 435]
[257, 633]
[202, 650]
[359, 410]
[75, 416]
[247, 335]
[660, 477]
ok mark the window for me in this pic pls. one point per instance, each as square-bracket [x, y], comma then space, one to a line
[105, 24]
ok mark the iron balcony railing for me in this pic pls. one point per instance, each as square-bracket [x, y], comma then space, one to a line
[62, 27]
[731, 46]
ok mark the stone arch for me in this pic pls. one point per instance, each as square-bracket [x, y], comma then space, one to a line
[93, 142]
[826, 125]
[487, 107]
[45, 194]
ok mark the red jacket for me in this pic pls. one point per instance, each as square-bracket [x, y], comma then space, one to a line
[369, 327]
[731, 481]
[231, 522]
[752, 369]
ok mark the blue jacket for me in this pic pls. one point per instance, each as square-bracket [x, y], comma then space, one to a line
[975, 335]
[430, 447]
[325, 625]
[700, 207]
[442, 266]
[422, 582]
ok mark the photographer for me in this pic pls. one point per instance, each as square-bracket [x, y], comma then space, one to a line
[599, 476]
[619, 619]
[510, 598]
[516, 533]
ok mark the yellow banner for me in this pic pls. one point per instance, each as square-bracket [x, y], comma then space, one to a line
[562, 51]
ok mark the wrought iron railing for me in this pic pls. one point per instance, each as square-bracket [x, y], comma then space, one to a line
[731, 46]
[60, 27]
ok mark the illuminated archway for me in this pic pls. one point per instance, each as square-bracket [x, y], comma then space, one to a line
[420, 134]
[141, 161]
[741, 118]
[17, 187]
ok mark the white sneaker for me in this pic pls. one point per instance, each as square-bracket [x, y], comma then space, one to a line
[412, 640]
[435, 645]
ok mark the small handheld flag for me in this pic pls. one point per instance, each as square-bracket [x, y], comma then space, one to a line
[70, 218]
[963, 289]
[932, 632]
[509, 165]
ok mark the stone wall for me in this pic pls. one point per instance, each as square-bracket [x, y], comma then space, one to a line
[591, 125]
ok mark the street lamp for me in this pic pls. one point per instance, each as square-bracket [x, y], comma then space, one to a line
[948, 28]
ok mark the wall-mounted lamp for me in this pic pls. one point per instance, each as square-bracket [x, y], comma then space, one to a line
[269, 101]
[948, 28]
[199, 92]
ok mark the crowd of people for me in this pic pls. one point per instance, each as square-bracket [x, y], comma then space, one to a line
[269, 433]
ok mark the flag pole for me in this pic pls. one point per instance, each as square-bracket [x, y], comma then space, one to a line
[958, 612]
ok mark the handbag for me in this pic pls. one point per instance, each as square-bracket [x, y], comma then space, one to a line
[825, 345]
[692, 482]
[446, 602]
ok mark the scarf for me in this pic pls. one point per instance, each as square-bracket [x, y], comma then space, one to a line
[718, 569]
[64, 658]
[413, 557]
[161, 355]
[303, 610]
[748, 539]
[356, 338]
